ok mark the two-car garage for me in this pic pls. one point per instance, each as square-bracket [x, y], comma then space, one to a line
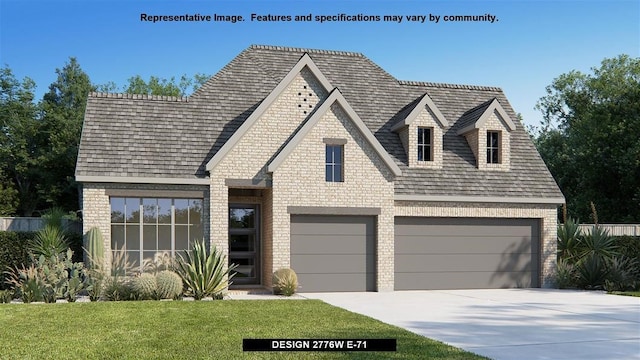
[337, 253]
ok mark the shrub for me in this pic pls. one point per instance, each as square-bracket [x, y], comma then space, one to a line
[6, 296]
[14, 253]
[592, 271]
[145, 287]
[598, 244]
[628, 246]
[116, 286]
[569, 235]
[285, 282]
[204, 275]
[623, 274]
[117, 289]
[161, 261]
[49, 241]
[169, 284]
[565, 275]
[28, 283]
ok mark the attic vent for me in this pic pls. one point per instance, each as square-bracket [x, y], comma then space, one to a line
[306, 100]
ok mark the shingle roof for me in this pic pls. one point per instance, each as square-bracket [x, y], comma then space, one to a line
[142, 136]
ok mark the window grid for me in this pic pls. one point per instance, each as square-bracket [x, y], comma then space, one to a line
[424, 144]
[334, 163]
[147, 226]
[493, 147]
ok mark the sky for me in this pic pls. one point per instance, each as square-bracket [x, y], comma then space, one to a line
[530, 44]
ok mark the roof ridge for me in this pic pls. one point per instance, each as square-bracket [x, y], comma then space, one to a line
[310, 51]
[484, 104]
[448, 86]
[96, 94]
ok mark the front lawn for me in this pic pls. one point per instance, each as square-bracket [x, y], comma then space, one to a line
[194, 330]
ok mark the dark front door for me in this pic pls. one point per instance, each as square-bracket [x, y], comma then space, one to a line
[244, 243]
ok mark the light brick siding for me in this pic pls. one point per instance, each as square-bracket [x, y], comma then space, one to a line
[300, 181]
[96, 208]
[427, 120]
[546, 213]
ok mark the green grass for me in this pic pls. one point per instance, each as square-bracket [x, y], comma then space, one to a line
[195, 330]
[626, 293]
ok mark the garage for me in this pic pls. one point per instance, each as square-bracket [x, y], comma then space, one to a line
[333, 253]
[466, 253]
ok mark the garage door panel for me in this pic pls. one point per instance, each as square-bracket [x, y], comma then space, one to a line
[321, 243]
[332, 225]
[466, 262]
[460, 253]
[333, 253]
[337, 282]
[471, 244]
[463, 280]
[332, 264]
[456, 227]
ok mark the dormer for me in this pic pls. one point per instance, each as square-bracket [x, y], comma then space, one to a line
[487, 128]
[421, 133]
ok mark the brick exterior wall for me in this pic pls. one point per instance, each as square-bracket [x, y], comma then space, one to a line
[547, 214]
[427, 120]
[300, 181]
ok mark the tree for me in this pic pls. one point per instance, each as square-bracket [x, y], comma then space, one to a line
[590, 139]
[21, 144]
[161, 86]
[63, 105]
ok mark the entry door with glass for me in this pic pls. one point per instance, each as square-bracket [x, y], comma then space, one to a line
[244, 242]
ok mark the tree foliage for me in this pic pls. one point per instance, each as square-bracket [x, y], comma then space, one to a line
[590, 139]
[161, 86]
[39, 140]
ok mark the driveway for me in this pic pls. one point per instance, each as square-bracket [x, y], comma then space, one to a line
[510, 323]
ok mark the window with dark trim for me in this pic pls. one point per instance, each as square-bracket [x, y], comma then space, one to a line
[147, 226]
[425, 144]
[493, 147]
[334, 163]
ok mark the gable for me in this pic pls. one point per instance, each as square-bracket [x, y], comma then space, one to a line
[335, 98]
[305, 63]
[425, 108]
[478, 118]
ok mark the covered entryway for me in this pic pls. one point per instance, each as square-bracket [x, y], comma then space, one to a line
[466, 253]
[333, 253]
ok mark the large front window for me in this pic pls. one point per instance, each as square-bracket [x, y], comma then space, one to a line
[146, 226]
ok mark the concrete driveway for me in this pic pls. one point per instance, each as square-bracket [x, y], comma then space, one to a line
[510, 323]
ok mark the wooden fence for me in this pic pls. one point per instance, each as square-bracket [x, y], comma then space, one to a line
[34, 224]
[614, 229]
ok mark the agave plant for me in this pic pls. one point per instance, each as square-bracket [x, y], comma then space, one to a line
[204, 275]
[569, 235]
[49, 241]
[598, 244]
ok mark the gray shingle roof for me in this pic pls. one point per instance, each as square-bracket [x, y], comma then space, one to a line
[142, 136]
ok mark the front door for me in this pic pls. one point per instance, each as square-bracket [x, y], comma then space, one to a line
[244, 243]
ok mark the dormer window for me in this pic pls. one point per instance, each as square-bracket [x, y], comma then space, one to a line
[493, 147]
[425, 144]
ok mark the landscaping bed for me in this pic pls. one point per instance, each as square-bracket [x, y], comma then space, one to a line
[196, 330]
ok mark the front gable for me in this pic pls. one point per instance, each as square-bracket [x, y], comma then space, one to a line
[246, 154]
[337, 105]
[293, 98]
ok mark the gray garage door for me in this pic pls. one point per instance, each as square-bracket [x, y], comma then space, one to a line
[466, 253]
[333, 253]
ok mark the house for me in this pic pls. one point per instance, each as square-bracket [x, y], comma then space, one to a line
[323, 162]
